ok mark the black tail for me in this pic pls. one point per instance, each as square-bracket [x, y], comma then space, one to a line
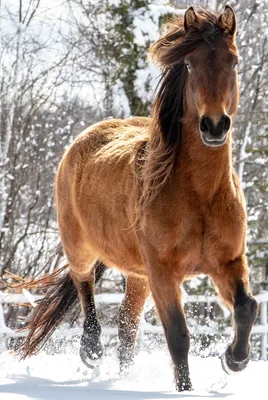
[58, 303]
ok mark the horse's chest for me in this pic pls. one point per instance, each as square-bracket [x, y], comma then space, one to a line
[223, 234]
[212, 236]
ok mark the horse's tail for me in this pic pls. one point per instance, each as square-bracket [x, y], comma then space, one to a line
[59, 302]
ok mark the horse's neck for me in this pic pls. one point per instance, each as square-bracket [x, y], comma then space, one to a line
[207, 169]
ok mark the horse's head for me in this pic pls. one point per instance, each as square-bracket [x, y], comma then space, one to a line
[211, 81]
[199, 86]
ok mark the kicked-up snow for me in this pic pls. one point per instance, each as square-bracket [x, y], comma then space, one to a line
[64, 377]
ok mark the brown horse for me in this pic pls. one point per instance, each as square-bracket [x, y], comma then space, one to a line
[158, 198]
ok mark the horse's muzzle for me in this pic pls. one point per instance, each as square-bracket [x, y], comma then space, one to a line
[214, 135]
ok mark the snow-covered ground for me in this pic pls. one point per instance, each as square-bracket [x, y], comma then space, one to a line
[64, 377]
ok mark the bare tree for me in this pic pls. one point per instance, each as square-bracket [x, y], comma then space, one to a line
[34, 130]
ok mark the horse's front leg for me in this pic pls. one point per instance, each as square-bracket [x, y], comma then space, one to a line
[137, 290]
[232, 281]
[166, 291]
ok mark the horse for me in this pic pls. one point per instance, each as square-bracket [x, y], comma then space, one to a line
[158, 198]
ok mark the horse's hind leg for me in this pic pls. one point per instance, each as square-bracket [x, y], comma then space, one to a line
[91, 349]
[82, 263]
[137, 290]
[233, 283]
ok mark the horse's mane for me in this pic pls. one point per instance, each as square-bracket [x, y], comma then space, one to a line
[167, 110]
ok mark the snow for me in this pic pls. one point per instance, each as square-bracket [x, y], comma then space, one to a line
[147, 76]
[64, 377]
[120, 102]
[146, 30]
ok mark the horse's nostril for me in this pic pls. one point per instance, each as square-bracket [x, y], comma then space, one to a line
[226, 122]
[207, 126]
[204, 124]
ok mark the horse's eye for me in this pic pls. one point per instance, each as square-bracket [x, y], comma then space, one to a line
[234, 65]
[189, 67]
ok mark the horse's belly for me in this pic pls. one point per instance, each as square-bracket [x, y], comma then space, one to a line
[113, 239]
[116, 247]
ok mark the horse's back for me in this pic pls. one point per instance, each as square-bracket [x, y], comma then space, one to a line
[112, 133]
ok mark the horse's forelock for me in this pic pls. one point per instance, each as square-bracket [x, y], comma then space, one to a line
[175, 44]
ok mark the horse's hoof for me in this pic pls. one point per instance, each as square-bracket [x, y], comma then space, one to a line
[229, 365]
[92, 358]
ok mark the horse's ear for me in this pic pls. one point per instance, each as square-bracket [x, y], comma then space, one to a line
[227, 20]
[190, 18]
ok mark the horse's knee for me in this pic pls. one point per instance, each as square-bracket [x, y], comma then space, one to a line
[245, 311]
